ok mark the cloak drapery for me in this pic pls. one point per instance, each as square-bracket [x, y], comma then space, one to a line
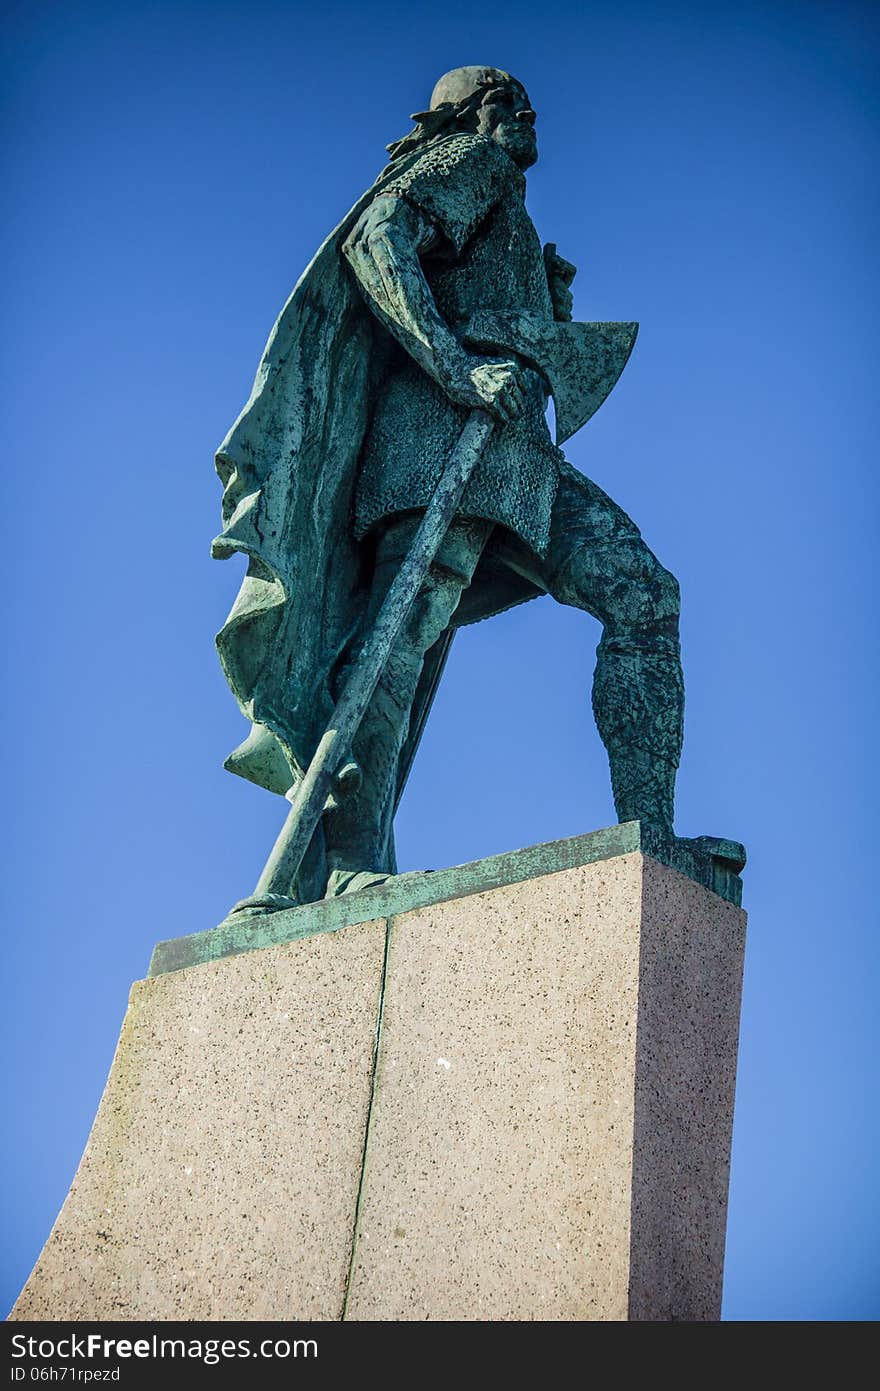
[288, 468]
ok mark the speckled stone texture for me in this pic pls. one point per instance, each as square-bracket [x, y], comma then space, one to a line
[220, 1178]
[690, 968]
[551, 1121]
[544, 1133]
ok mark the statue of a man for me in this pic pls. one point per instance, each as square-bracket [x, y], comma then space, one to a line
[361, 395]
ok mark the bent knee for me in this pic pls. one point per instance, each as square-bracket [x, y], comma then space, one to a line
[667, 598]
[649, 599]
[622, 583]
[431, 611]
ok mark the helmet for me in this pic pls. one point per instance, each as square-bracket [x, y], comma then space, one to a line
[461, 83]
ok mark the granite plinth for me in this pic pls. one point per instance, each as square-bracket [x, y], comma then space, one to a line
[511, 1102]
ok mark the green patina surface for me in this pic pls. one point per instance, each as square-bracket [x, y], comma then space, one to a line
[252, 930]
[431, 300]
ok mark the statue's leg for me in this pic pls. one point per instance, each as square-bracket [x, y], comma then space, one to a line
[597, 561]
[358, 828]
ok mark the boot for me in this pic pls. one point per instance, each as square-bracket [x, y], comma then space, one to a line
[638, 702]
[358, 826]
[357, 823]
[643, 786]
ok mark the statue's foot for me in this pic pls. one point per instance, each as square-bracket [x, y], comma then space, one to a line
[264, 903]
[349, 881]
[731, 852]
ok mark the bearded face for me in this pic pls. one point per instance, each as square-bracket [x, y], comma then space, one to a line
[506, 116]
[484, 100]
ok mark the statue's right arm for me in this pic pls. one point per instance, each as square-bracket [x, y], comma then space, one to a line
[384, 250]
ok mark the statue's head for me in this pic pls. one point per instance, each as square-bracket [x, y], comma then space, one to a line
[482, 101]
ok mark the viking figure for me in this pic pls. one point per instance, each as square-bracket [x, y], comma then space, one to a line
[363, 390]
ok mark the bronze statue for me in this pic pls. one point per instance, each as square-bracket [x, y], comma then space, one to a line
[432, 310]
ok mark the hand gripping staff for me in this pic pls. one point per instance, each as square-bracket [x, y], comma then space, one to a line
[581, 363]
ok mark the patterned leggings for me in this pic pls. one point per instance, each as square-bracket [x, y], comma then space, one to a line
[597, 561]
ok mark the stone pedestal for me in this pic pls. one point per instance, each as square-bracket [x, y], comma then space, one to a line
[503, 1091]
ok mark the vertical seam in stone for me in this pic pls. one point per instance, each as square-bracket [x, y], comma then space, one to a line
[360, 1192]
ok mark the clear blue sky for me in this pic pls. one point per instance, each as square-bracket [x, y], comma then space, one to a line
[711, 167]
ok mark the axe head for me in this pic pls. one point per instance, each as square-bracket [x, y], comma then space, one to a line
[580, 362]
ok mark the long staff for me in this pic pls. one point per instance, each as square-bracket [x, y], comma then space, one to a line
[310, 799]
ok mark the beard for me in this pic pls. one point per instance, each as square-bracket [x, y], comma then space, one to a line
[519, 142]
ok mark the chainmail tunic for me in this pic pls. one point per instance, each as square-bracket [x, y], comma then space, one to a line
[489, 258]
